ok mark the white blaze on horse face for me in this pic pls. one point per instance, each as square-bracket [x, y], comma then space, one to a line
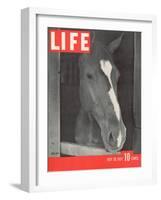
[107, 69]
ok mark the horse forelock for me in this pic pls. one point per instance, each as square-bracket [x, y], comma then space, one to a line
[98, 52]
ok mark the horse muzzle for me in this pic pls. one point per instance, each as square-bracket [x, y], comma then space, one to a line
[114, 140]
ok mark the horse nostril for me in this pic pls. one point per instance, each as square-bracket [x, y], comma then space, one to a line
[110, 137]
[112, 140]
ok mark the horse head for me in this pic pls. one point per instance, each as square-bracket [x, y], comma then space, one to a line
[98, 93]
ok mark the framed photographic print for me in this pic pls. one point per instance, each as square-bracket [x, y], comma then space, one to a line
[86, 111]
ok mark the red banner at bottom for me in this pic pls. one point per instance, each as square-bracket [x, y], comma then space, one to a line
[123, 159]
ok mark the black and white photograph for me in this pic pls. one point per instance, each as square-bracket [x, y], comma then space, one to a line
[94, 99]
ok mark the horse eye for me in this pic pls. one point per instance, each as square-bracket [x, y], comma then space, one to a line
[89, 76]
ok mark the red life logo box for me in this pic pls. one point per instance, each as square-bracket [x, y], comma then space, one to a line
[71, 41]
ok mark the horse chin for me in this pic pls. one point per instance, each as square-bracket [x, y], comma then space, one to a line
[112, 147]
[111, 143]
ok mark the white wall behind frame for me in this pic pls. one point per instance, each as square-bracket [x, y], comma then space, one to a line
[10, 97]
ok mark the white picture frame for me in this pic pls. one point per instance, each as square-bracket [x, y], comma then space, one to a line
[34, 175]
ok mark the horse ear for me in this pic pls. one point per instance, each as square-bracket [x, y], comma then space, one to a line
[115, 44]
[92, 36]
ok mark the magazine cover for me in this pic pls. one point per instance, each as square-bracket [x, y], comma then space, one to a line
[94, 99]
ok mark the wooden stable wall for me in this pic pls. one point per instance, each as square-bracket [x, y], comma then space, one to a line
[54, 104]
[68, 148]
[137, 93]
